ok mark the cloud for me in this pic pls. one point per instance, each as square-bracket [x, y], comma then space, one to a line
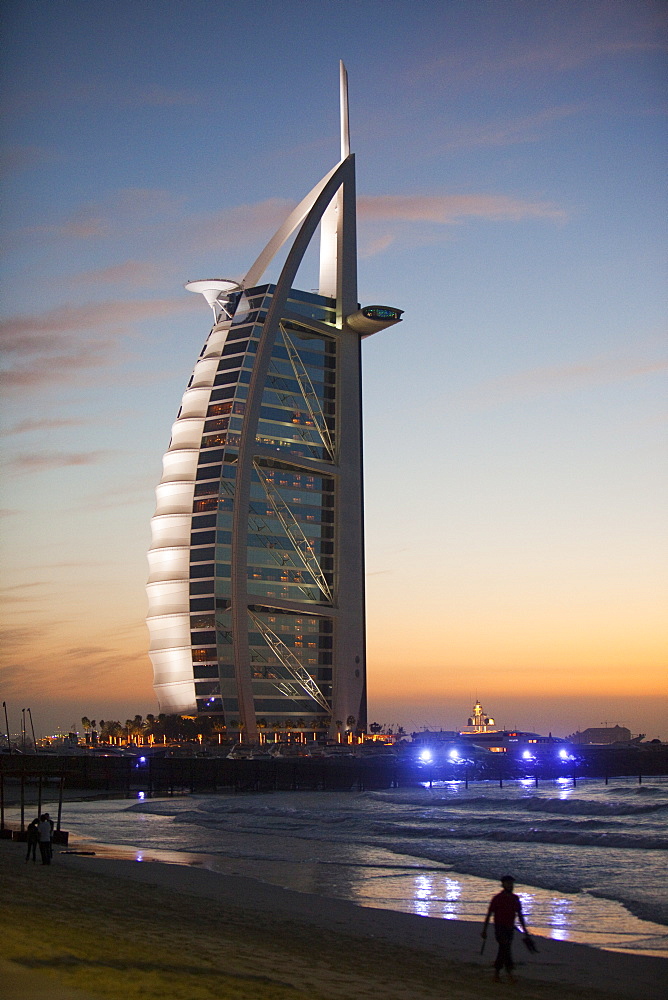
[23, 333]
[83, 225]
[378, 245]
[98, 662]
[125, 213]
[17, 595]
[18, 158]
[137, 273]
[44, 461]
[48, 347]
[17, 638]
[450, 209]
[592, 32]
[526, 128]
[562, 378]
[58, 369]
[28, 426]
[238, 226]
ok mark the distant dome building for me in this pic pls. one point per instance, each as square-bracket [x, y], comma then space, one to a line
[480, 722]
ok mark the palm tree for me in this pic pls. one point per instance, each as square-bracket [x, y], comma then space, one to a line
[85, 722]
[114, 730]
[138, 728]
[218, 726]
[149, 725]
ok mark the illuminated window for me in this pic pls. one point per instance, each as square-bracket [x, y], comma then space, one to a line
[199, 655]
[201, 505]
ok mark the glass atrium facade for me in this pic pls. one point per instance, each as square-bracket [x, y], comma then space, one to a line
[286, 537]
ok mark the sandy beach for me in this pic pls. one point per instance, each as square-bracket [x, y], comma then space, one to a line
[92, 927]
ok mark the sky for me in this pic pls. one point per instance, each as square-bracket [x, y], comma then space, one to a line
[511, 199]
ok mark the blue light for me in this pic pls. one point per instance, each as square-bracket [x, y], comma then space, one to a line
[426, 756]
[528, 755]
[142, 760]
[563, 754]
[141, 795]
[454, 755]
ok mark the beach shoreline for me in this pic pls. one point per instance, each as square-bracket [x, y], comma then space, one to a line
[262, 838]
[183, 930]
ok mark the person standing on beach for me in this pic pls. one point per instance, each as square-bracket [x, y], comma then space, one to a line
[505, 907]
[32, 839]
[45, 831]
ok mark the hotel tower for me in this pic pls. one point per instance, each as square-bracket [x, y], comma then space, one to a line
[256, 585]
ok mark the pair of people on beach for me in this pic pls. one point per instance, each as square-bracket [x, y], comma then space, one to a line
[40, 831]
[505, 908]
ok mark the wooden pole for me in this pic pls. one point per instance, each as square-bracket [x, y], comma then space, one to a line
[60, 800]
[23, 801]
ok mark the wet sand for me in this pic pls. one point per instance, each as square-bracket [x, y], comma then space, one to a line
[88, 928]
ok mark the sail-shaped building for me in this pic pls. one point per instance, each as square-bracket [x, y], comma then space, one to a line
[256, 585]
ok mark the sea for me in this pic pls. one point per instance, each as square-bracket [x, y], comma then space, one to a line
[590, 861]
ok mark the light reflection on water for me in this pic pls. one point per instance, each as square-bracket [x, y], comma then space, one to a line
[559, 917]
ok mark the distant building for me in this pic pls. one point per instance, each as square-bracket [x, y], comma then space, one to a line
[479, 722]
[603, 734]
[256, 586]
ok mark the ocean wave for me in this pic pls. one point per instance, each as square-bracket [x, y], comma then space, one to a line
[535, 835]
[310, 827]
[570, 806]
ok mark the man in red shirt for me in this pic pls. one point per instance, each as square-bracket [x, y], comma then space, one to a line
[505, 906]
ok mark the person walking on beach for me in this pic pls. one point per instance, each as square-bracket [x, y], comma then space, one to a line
[45, 830]
[32, 839]
[505, 907]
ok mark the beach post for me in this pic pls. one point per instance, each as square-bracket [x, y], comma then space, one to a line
[23, 800]
[60, 836]
[60, 801]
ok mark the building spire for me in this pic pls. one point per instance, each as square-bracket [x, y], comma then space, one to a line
[333, 243]
[345, 125]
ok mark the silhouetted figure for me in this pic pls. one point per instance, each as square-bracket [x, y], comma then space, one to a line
[505, 907]
[45, 831]
[32, 839]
